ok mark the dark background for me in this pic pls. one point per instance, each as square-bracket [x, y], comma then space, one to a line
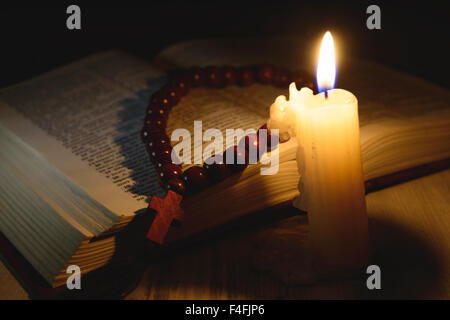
[34, 38]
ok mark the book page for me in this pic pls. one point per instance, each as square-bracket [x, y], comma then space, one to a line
[228, 108]
[405, 120]
[232, 107]
[85, 120]
[382, 92]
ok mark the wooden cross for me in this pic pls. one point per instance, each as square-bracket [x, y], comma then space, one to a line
[167, 210]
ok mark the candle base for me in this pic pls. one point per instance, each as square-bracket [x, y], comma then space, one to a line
[284, 251]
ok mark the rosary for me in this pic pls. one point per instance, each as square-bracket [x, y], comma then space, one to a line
[197, 178]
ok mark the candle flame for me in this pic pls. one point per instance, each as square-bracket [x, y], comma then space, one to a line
[326, 68]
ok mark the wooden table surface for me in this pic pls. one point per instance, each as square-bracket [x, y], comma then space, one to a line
[409, 227]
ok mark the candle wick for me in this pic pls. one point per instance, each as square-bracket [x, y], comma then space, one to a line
[326, 94]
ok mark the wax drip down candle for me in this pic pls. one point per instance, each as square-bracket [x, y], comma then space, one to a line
[329, 162]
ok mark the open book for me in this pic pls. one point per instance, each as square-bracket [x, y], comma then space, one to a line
[74, 172]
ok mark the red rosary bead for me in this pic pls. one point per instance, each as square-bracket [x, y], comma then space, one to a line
[152, 126]
[155, 123]
[169, 171]
[181, 82]
[281, 78]
[161, 98]
[155, 139]
[195, 179]
[157, 110]
[265, 74]
[197, 76]
[160, 163]
[236, 158]
[214, 77]
[246, 76]
[263, 127]
[161, 153]
[176, 185]
[172, 93]
[230, 75]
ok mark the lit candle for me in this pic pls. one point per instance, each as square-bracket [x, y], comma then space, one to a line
[329, 161]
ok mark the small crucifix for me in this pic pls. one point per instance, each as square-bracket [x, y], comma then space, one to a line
[167, 210]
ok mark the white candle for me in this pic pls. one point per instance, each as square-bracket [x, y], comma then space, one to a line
[332, 190]
[329, 162]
